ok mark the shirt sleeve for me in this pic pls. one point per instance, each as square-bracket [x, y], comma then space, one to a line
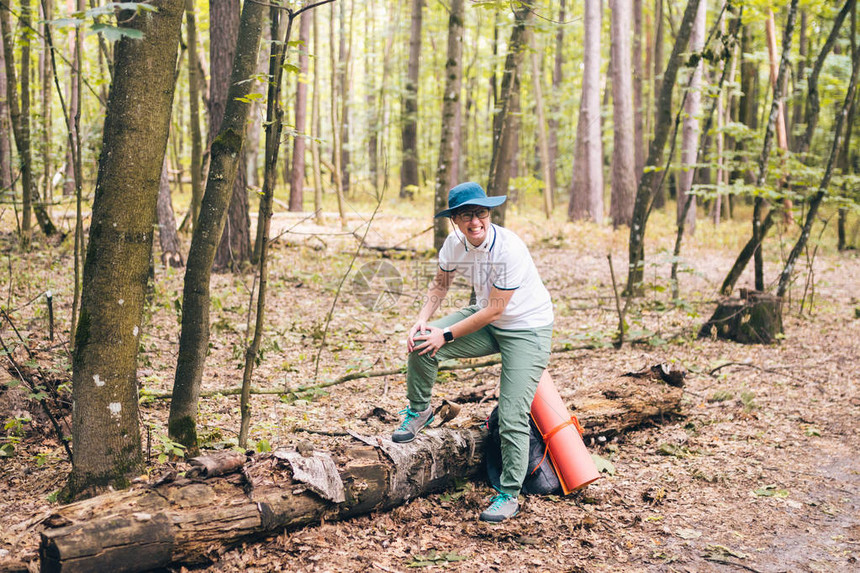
[510, 268]
[446, 262]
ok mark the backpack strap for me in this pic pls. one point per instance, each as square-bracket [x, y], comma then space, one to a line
[572, 422]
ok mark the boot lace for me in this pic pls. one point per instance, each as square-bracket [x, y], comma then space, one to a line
[498, 500]
[410, 415]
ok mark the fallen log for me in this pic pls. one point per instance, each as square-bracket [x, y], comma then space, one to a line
[191, 519]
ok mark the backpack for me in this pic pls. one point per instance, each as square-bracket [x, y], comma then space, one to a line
[541, 478]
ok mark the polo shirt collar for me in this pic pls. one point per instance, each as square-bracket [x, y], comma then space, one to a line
[487, 245]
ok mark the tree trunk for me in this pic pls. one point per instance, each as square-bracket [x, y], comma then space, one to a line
[659, 200]
[5, 126]
[504, 132]
[647, 183]
[171, 251]
[184, 520]
[815, 201]
[555, 98]
[316, 128]
[235, 240]
[690, 138]
[638, 107]
[755, 318]
[446, 168]
[409, 120]
[297, 171]
[624, 168]
[194, 112]
[757, 224]
[337, 173]
[105, 419]
[73, 97]
[586, 191]
[543, 143]
[46, 78]
[225, 157]
[343, 78]
[813, 105]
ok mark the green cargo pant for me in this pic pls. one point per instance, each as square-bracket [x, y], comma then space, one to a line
[525, 354]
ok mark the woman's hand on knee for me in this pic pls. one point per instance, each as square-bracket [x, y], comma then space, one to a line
[420, 326]
[430, 341]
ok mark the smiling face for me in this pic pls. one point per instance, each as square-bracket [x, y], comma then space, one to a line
[474, 223]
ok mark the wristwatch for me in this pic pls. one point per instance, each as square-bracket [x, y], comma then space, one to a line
[446, 332]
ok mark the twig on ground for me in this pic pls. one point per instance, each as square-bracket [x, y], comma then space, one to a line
[769, 370]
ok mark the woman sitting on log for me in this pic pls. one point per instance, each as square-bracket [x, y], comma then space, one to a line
[512, 316]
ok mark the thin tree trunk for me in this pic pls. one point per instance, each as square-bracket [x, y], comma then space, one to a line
[234, 248]
[659, 34]
[624, 167]
[45, 74]
[297, 171]
[316, 127]
[343, 81]
[446, 168]
[586, 191]
[690, 139]
[815, 201]
[5, 126]
[409, 121]
[758, 230]
[335, 127]
[504, 132]
[638, 107]
[194, 111]
[647, 183]
[543, 143]
[813, 104]
[225, 157]
[105, 419]
[167, 236]
[74, 97]
[555, 98]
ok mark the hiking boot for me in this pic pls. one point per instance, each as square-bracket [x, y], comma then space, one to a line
[501, 508]
[413, 423]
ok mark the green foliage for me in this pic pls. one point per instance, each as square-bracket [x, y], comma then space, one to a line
[435, 558]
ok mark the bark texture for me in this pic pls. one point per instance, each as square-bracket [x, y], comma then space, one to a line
[234, 247]
[105, 416]
[409, 113]
[446, 168]
[225, 157]
[297, 170]
[504, 127]
[586, 191]
[690, 132]
[648, 182]
[171, 249]
[624, 149]
[182, 521]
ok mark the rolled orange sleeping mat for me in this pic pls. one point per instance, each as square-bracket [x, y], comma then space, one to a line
[559, 429]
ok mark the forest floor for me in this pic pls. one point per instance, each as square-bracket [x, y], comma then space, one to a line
[758, 472]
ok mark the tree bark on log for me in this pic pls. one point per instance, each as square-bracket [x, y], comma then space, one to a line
[187, 519]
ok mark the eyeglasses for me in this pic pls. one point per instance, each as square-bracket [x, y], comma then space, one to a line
[466, 216]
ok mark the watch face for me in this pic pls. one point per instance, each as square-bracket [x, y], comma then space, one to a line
[449, 336]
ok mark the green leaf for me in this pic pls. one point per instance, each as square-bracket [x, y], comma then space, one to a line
[7, 451]
[291, 68]
[114, 33]
[604, 466]
[771, 490]
[434, 557]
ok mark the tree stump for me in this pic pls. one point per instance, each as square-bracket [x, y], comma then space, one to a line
[754, 318]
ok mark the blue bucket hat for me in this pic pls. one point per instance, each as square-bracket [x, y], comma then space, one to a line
[466, 194]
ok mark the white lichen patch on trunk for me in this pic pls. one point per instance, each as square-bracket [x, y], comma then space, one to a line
[97, 379]
[115, 408]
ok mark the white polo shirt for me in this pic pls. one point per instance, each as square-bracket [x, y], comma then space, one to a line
[503, 261]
